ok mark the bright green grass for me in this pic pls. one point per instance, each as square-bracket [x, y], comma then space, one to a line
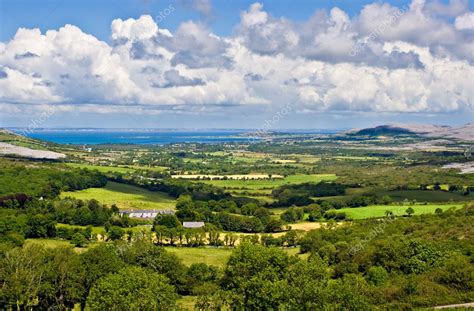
[375, 211]
[208, 255]
[95, 230]
[268, 183]
[102, 169]
[427, 195]
[125, 197]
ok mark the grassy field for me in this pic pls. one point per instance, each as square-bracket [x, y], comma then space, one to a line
[115, 169]
[125, 197]
[262, 184]
[53, 243]
[95, 230]
[427, 195]
[102, 169]
[375, 211]
[48, 243]
[207, 255]
[214, 256]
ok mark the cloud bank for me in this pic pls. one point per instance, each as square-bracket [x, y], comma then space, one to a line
[415, 59]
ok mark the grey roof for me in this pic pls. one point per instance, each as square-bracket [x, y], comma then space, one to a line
[193, 224]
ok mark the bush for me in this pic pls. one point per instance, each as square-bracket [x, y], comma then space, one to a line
[78, 240]
[132, 288]
[333, 214]
[377, 275]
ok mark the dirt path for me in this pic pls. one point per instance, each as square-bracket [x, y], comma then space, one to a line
[460, 305]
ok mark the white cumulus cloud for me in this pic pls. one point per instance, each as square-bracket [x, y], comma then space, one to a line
[415, 59]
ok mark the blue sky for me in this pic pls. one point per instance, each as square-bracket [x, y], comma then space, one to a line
[95, 16]
[235, 64]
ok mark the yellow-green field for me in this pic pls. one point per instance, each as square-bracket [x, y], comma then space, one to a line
[208, 255]
[125, 197]
[214, 256]
[270, 183]
[95, 230]
[53, 243]
[115, 169]
[376, 211]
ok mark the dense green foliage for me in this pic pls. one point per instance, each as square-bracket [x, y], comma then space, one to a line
[417, 261]
[132, 288]
[40, 180]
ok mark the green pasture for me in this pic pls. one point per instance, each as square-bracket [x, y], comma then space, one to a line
[214, 256]
[95, 230]
[115, 169]
[376, 211]
[208, 255]
[125, 197]
[270, 183]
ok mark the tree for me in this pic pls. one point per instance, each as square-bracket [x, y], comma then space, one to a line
[157, 259]
[21, 272]
[293, 214]
[115, 233]
[132, 288]
[98, 262]
[78, 240]
[315, 215]
[40, 226]
[230, 239]
[274, 225]
[169, 221]
[377, 275]
[307, 283]
[457, 272]
[214, 238]
[255, 275]
[200, 273]
[61, 282]
[410, 211]
[184, 202]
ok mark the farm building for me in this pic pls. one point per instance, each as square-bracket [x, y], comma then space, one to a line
[145, 213]
[193, 224]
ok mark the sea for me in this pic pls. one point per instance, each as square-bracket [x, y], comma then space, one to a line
[150, 136]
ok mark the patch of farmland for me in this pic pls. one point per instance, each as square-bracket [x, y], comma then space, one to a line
[125, 197]
[377, 211]
[270, 183]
